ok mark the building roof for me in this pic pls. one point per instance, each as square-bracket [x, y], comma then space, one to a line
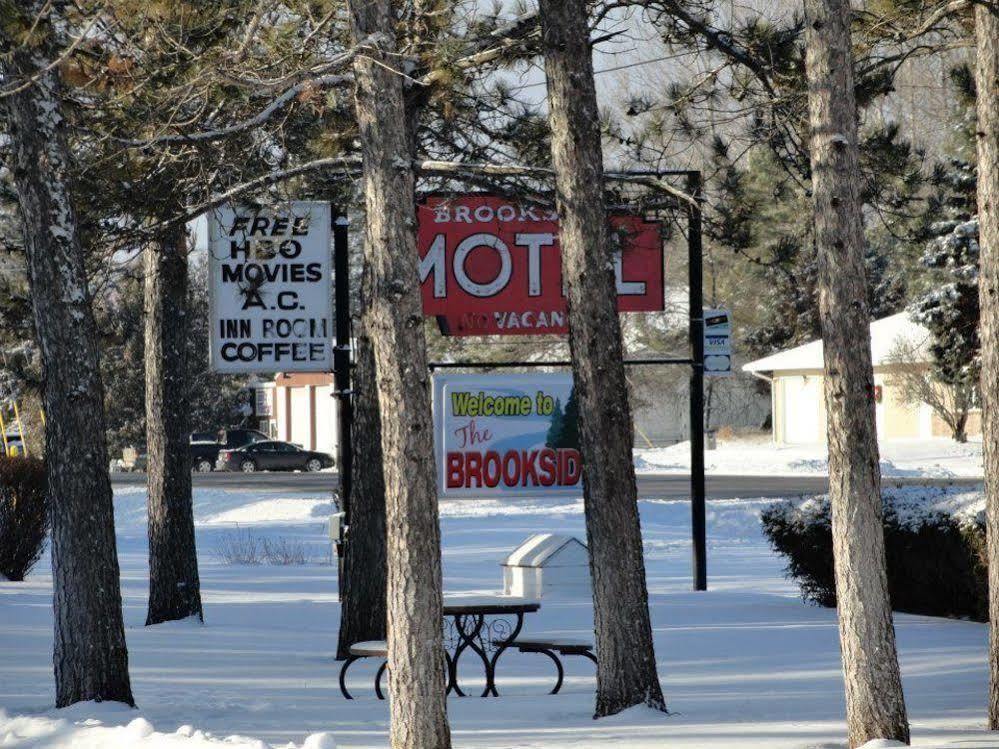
[300, 379]
[886, 334]
[539, 549]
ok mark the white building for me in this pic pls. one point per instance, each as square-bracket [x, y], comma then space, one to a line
[300, 408]
[798, 401]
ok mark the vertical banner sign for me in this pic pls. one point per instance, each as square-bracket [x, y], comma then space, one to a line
[506, 435]
[491, 266]
[269, 278]
[717, 343]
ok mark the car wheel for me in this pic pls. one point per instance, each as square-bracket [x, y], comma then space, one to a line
[203, 466]
[248, 466]
[315, 464]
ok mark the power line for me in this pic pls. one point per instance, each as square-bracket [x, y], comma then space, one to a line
[612, 69]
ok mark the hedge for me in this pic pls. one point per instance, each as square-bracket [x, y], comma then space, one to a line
[934, 546]
[24, 517]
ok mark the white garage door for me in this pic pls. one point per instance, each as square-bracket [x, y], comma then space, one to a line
[801, 409]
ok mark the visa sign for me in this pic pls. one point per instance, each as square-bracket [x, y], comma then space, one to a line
[491, 266]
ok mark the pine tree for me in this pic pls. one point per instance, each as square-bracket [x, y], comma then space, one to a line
[91, 659]
[875, 707]
[987, 147]
[753, 104]
[570, 425]
[564, 428]
[626, 661]
[212, 397]
[174, 583]
[418, 708]
[950, 308]
[554, 436]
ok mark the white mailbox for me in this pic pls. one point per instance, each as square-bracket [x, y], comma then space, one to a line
[547, 564]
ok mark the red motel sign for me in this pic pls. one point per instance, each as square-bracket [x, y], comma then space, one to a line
[490, 266]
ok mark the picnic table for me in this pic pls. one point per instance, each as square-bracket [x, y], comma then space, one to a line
[485, 625]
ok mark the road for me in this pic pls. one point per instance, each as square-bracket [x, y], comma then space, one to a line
[650, 486]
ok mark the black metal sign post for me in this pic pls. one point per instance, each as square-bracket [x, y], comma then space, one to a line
[698, 521]
[341, 368]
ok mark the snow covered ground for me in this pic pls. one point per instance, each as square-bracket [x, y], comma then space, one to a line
[744, 666]
[934, 458]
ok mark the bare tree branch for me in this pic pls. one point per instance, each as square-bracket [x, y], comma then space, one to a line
[276, 105]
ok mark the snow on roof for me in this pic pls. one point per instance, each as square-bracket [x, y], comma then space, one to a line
[886, 334]
[538, 549]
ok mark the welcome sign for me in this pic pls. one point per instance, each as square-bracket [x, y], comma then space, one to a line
[507, 434]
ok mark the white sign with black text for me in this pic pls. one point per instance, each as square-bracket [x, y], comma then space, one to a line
[271, 291]
[717, 343]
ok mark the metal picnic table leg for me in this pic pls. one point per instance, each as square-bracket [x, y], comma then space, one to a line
[449, 682]
[378, 680]
[468, 641]
[491, 664]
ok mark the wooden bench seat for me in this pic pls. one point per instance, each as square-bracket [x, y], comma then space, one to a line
[549, 646]
[367, 649]
[370, 649]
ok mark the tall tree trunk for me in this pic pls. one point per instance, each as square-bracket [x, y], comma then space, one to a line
[91, 660]
[987, 132]
[418, 707]
[874, 702]
[626, 662]
[362, 607]
[174, 588]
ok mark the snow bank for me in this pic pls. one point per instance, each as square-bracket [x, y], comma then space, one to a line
[227, 507]
[92, 725]
[275, 511]
[934, 458]
[911, 506]
[745, 665]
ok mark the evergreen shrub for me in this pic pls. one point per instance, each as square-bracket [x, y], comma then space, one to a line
[934, 547]
[24, 516]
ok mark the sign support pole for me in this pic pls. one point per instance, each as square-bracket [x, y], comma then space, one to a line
[341, 364]
[694, 184]
[696, 305]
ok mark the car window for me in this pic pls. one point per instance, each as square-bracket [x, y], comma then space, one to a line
[237, 438]
[264, 447]
[284, 447]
